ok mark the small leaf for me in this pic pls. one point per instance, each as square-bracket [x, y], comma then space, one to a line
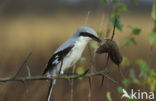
[125, 62]
[118, 23]
[104, 1]
[109, 96]
[134, 2]
[100, 34]
[132, 74]
[153, 14]
[129, 41]
[82, 60]
[135, 31]
[153, 73]
[120, 89]
[80, 70]
[152, 37]
[126, 82]
[151, 82]
[133, 77]
[143, 68]
[121, 7]
[94, 44]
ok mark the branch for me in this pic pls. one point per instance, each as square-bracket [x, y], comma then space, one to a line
[75, 76]
[116, 18]
[25, 61]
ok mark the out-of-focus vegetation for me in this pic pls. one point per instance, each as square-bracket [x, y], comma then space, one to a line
[146, 77]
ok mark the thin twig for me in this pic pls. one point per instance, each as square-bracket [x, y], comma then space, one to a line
[91, 57]
[101, 23]
[72, 86]
[28, 70]
[86, 19]
[89, 90]
[92, 69]
[105, 67]
[109, 15]
[121, 72]
[27, 78]
[116, 18]
[111, 79]
[113, 34]
[25, 61]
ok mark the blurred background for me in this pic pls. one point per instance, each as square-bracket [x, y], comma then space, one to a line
[40, 26]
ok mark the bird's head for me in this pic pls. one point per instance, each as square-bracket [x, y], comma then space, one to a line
[88, 33]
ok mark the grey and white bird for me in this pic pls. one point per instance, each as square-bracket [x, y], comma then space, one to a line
[69, 53]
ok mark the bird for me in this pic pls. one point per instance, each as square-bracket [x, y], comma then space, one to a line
[68, 54]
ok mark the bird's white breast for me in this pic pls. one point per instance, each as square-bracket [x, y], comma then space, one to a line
[74, 55]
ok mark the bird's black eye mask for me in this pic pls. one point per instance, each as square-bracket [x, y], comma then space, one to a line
[85, 34]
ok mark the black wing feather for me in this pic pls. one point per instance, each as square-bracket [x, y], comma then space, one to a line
[59, 55]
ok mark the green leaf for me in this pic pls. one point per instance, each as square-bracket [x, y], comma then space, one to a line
[126, 82]
[132, 74]
[125, 62]
[121, 7]
[135, 31]
[104, 1]
[143, 68]
[100, 34]
[120, 89]
[109, 96]
[82, 60]
[153, 73]
[133, 77]
[151, 81]
[129, 41]
[153, 14]
[94, 44]
[118, 23]
[134, 2]
[152, 37]
[80, 70]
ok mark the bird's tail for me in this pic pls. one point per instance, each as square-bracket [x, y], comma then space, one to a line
[52, 83]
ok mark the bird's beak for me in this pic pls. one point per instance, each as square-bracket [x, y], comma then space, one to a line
[96, 39]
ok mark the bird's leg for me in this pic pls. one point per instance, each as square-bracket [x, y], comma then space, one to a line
[61, 66]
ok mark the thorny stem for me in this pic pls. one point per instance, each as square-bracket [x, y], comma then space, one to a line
[113, 34]
[25, 61]
[114, 28]
[75, 76]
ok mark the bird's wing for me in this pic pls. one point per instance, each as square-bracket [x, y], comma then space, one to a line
[57, 57]
[66, 44]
